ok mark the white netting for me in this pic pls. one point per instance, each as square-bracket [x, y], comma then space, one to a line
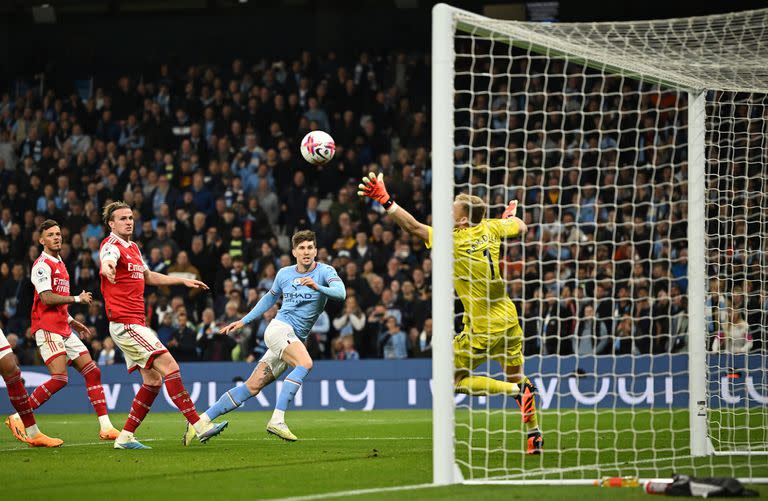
[737, 271]
[587, 126]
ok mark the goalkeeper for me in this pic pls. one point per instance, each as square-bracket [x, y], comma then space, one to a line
[491, 328]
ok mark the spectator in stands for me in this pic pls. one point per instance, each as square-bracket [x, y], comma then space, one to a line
[591, 334]
[183, 343]
[212, 161]
[735, 338]
[392, 340]
[351, 321]
[216, 347]
[420, 343]
[108, 354]
[345, 349]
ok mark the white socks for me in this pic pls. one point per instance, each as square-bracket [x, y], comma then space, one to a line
[105, 423]
[202, 426]
[32, 431]
[278, 416]
[125, 436]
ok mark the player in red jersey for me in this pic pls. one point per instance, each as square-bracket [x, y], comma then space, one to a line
[124, 274]
[11, 373]
[52, 327]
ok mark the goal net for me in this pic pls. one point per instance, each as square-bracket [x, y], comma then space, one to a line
[637, 153]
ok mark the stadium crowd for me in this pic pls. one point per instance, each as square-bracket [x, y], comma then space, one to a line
[208, 158]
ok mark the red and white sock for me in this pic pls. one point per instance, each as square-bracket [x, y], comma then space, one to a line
[46, 390]
[20, 401]
[180, 397]
[92, 375]
[142, 402]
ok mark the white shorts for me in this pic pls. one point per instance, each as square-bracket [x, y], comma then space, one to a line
[52, 345]
[277, 336]
[5, 347]
[138, 343]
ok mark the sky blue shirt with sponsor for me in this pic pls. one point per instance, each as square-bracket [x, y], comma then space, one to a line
[302, 304]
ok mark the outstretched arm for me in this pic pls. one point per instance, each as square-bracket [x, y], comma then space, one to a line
[509, 214]
[266, 302]
[154, 278]
[373, 188]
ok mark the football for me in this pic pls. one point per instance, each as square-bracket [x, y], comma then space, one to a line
[318, 147]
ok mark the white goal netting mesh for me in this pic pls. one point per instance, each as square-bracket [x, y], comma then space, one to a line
[587, 125]
[737, 271]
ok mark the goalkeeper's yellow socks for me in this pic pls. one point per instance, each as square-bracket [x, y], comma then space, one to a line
[483, 386]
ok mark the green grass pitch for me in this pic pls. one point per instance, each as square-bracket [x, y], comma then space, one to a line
[337, 451]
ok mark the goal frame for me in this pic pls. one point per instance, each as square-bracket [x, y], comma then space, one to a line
[444, 26]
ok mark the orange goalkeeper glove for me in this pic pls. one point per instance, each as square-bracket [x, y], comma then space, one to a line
[510, 210]
[373, 188]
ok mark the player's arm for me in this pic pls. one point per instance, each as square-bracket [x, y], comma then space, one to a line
[78, 327]
[266, 302]
[373, 188]
[334, 290]
[108, 255]
[50, 298]
[154, 278]
[41, 279]
[510, 225]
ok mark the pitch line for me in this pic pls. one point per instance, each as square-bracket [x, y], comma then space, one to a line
[596, 466]
[82, 444]
[358, 492]
[227, 439]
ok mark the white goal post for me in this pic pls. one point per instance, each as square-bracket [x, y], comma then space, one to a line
[682, 104]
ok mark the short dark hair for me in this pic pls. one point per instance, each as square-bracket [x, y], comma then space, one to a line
[47, 224]
[303, 236]
[110, 209]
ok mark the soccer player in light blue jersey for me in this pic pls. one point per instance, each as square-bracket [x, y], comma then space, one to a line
[305, 288]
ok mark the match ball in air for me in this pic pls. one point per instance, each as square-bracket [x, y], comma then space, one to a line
[318, 147]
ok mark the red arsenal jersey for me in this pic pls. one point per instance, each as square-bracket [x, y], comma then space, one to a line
[50, 274]
[124, 300]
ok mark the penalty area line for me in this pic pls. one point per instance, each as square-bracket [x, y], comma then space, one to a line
[358, 492]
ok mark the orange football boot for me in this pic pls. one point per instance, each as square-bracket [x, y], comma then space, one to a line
[42, 440]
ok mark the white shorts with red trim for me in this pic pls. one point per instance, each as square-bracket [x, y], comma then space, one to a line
[138, 343]
[52, 345]
[5, 346]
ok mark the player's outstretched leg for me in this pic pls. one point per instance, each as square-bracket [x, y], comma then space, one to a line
[57, 366]
[167, 366]
[205, 430]
[92, 375]
[233, 398]
[527, 402]
[142, 402]
[25, 428]
[484, 386]
[296, 355]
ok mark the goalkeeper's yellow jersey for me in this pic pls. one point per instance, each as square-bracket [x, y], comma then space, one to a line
[487, 307]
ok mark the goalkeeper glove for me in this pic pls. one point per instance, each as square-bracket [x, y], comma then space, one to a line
[373, 188]
[510, 210]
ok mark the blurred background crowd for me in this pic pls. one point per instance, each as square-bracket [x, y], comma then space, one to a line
[207, 156]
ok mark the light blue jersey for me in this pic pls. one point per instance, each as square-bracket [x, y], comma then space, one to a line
[301, 307]
[301, 304]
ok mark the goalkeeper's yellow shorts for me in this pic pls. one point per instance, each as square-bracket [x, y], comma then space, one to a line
[472, 349]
